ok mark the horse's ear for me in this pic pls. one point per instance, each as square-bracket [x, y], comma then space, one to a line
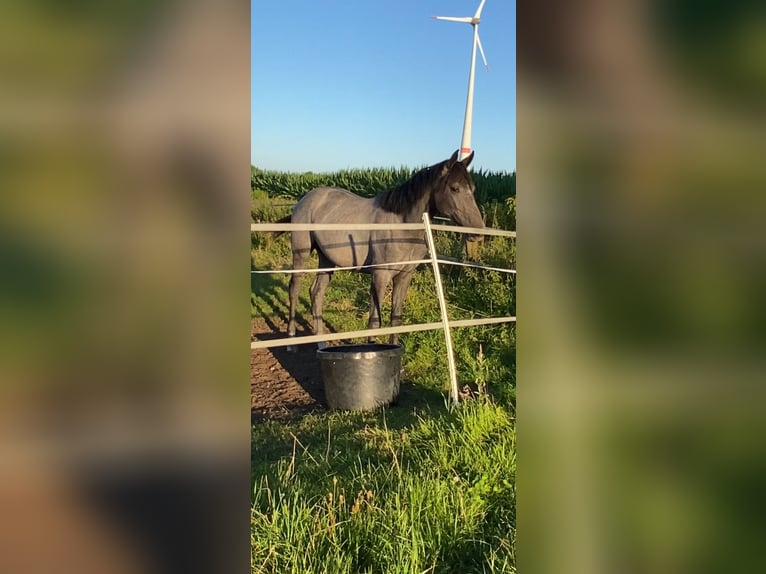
[466, 161]
[452, 159]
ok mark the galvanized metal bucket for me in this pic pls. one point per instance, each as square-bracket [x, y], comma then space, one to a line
[360, 377]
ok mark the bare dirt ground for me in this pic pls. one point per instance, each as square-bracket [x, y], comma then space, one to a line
[286, 385]
[283, 384]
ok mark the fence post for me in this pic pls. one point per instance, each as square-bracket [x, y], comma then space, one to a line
[443, 308]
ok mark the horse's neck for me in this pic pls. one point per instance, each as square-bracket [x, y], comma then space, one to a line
[421, 206]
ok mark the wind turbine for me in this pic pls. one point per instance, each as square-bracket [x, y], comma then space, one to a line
[465, 144]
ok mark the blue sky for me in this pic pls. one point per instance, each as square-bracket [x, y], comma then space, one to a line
[374, 83]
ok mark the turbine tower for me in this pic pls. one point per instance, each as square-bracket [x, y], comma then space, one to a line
[465, 144]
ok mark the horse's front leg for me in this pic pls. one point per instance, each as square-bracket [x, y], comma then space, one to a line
[377, 292]
[401, 285]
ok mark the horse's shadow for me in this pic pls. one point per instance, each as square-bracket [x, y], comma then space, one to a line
[302, 364]
[269, 301]
[269, 305]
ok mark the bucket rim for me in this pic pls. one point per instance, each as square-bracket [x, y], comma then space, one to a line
[360, 351]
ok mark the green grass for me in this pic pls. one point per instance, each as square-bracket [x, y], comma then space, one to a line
[398, 490]
[422, 486]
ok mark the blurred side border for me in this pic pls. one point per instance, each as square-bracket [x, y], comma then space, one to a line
[641, 319]
[124, 164]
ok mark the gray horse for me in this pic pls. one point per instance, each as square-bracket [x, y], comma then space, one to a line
[445, 189]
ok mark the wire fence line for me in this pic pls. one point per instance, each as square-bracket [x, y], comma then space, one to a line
[282, 227]
[445, 324]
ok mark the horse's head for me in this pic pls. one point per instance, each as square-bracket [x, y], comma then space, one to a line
[454, 196]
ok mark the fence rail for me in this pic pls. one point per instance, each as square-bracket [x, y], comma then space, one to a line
[475, 230]
[335, 226]
[333, 269]
[362, 333]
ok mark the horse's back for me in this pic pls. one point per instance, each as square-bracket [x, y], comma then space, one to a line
[332, 205]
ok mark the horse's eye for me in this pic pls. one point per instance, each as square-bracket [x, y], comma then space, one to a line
[454, 189]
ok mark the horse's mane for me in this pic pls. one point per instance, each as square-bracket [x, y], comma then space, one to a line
[400, 199]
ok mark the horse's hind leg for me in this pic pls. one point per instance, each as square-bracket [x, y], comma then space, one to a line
[295, 291]
[380, 281]
[301, 246]
[318, 288]
[401, 285]
[317, 302]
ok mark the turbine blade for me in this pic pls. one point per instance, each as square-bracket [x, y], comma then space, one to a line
[483, 57]
[452, 19]
[478, 11]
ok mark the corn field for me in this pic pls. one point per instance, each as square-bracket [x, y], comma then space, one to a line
[490, 186]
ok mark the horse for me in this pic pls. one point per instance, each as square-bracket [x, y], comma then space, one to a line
[445, 188]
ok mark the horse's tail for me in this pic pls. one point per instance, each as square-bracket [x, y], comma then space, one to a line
[285, 219]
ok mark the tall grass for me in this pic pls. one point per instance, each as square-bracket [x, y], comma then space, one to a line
[436, 495]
